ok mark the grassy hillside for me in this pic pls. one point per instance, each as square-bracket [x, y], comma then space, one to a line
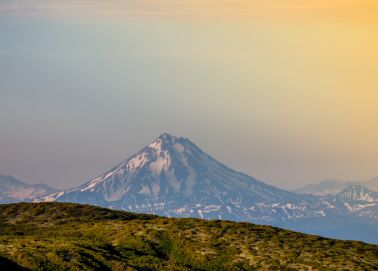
[65, 236]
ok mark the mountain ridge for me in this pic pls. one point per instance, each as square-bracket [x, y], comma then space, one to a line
[334, 186]
[358, 193]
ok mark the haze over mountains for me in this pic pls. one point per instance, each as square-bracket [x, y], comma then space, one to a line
[332, 187]
[173, 177]
[13, 190]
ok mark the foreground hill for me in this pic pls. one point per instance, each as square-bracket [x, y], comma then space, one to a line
[67, 236]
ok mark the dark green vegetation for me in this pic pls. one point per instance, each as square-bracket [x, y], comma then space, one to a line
[65, 236]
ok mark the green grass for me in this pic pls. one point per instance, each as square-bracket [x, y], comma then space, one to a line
[66, 236]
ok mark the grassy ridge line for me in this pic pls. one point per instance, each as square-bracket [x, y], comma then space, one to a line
[67, 236]
[57, 212]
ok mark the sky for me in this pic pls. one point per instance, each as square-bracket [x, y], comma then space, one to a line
[285, 91]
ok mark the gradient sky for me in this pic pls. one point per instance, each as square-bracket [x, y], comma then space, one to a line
[286, 91]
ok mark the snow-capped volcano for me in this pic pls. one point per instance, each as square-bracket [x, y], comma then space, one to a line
[173, 173]
[173, 177]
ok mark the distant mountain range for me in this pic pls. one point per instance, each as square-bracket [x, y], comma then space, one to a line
[13, 190]
[333, 187]
[173, 177]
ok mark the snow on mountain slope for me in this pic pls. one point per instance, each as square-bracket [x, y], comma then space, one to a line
[359, 201]
[13, 190]
[371, 184]
[357, 193]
